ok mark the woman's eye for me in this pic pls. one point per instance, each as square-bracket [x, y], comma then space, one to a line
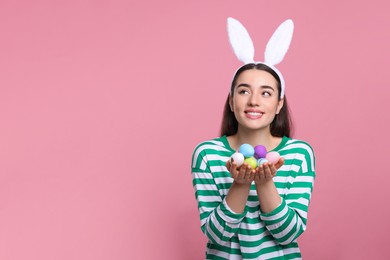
[266, 94]
[243, 91]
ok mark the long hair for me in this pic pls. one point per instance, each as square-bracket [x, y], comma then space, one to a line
[282, 123]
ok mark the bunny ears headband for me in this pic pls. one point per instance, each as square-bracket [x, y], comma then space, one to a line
[275, 50]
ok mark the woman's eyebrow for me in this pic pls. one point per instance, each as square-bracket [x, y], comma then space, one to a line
[243, 85]
[267, 87]
[249, 86]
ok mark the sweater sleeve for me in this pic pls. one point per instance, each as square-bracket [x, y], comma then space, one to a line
[288, 221]
[218, 222]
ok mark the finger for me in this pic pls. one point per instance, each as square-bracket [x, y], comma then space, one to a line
[249, 173]
[272, 169]
[233, 167]
[249, 169]
[252, 176]
[228, 164]
[279, 163]
[242, 171]
[246, 176]
[267, 171]
[257, 174]
[261, 173]
[249, 176]
[233, 170]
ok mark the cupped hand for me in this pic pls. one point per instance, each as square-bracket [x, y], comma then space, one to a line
[266, 171]
[242, 175]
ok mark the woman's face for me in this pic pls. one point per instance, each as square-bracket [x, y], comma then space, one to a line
[255, 100]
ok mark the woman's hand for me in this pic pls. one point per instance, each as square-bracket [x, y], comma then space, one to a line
[266, 171]
[243, 175]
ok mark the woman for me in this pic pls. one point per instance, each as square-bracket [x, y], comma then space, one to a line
[254, 213]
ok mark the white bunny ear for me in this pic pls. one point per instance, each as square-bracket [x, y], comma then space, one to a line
[279, 43]
[240, 41]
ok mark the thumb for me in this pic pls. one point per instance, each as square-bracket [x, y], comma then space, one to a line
[279, 163]
[228, 165]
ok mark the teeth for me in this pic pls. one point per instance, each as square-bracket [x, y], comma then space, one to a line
[254, 113]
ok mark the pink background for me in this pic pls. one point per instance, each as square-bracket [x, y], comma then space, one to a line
[102, 103]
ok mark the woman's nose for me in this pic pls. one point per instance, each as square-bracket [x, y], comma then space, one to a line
[253, 100]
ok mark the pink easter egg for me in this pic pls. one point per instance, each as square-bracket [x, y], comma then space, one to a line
[273, 157]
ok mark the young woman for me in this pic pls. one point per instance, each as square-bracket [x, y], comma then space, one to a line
[254, 213]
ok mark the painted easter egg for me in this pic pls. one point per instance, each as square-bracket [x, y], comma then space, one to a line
[247, 150]
[273, 157]
[251, 161]
[260, 151]
[238, 158]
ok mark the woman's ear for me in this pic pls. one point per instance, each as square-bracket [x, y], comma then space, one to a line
[231, 103]
[280, 105]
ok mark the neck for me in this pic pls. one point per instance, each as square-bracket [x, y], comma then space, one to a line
[254, 138]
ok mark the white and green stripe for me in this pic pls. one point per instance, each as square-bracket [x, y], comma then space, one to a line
[253, 234]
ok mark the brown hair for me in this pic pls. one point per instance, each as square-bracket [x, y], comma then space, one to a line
[280, 126]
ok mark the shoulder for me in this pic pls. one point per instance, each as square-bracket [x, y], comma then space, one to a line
[213, 148]
[299, 149]
[298, 145]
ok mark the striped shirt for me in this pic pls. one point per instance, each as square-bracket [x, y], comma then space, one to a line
[253, 234]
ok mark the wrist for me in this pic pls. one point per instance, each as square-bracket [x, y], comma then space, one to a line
[265, 185]
[241, 185]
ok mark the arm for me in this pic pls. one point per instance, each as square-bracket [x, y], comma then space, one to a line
[287, 220]
[238, 196]
[239, 191]
[218, 221]
[267, 193]
[220, 216]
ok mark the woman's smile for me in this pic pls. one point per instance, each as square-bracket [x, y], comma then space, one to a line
[253, 114]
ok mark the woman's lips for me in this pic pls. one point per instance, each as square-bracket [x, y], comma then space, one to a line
[253, 114]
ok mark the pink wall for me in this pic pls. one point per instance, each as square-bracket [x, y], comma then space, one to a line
[102, 103]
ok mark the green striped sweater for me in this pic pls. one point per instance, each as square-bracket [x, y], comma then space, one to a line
[253, 234]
